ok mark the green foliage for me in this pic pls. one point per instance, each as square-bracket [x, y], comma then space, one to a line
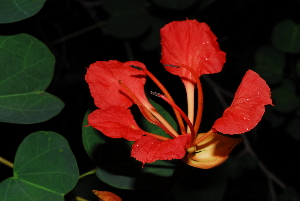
[16, 10]
[117, 168]
[27, 67]
[44, 169]
[286, 36]
[152, 128]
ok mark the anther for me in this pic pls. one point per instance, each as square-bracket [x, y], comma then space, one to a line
[136, 67]
[170, 65]
[155, 94]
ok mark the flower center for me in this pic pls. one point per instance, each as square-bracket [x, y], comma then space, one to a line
[154, 117]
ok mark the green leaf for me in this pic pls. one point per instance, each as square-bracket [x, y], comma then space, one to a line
[92, 139]
[285, 98]
[175, 4]
[153, 176]
[16, 10]
[286, 36]
[44, 169]
[27, 67]
[117, 168]
[269, 64]
[152, 128]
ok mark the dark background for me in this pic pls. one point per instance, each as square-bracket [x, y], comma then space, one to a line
[241, 27]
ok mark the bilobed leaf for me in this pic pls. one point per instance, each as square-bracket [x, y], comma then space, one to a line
[16, 10]
[44, 169]
[27, 67]
[175, 4]
[286, 36]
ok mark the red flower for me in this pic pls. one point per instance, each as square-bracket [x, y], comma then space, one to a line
[193, 49]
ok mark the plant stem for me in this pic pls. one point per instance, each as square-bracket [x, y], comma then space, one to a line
[6, 162]
[93, 171]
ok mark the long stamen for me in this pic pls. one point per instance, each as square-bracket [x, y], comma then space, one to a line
[153, 117]
[157, 136]
[200, 96]
[167, 94]
[179, 110]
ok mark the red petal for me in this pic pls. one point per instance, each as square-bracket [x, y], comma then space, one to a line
[103, 77]
[247, 107]
[115, 122]
[149, 149]
[192, 44]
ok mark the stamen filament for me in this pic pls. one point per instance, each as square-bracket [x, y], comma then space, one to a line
[157, 136]
[179, 110]
[203, 137]
[167, 94]
[151, 115]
